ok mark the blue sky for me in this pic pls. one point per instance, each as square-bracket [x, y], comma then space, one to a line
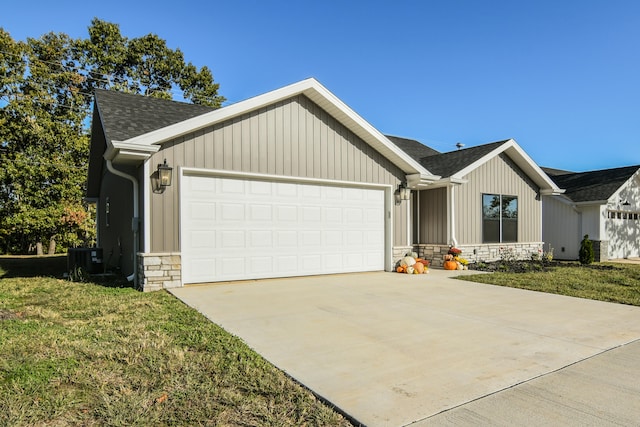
[560, 77]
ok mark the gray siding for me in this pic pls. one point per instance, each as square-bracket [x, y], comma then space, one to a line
[497, 176]
[115, 236]
[433, 216]
[293, 138]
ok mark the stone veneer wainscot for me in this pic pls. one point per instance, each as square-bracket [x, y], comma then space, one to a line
[158, 271]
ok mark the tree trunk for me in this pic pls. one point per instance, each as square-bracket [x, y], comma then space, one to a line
[39, 249]
[52, 246]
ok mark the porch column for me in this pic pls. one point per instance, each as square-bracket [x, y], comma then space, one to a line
[451, 218]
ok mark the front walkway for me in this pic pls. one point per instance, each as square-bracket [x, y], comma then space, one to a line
[391, 349]
[626, 260]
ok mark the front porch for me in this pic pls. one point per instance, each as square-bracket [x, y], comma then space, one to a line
[480, 252]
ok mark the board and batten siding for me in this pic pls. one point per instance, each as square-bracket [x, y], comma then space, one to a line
[293, 138]
[499, 175]
[433, 216]
[561, 227]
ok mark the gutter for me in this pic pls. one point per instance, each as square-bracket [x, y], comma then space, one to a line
[135, 221]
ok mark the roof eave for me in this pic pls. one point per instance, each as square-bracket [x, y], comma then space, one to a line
[551, 191]
[524, 162]
[420, 181]
[120, 152]
[314, 91]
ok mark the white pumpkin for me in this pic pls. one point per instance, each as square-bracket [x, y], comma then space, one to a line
[408, 261]
[410, 270]
[413, 254]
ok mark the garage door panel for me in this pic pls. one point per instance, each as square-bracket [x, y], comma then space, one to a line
[332, 239]
[231, 186]
[201, 239]
[286, 213]
[287, 263]
[232, 212]
[260, 188]
[286, 239]
[258, 265]
[235, 229]
[261, 238]
[286, 190]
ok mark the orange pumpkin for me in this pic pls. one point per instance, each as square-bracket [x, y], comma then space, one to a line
[400, 269]
[419, 267]
[450, 265]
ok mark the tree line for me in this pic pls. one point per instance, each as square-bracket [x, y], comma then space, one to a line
[46, 95]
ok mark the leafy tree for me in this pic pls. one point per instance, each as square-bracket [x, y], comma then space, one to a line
[586, 255]
[46, 87]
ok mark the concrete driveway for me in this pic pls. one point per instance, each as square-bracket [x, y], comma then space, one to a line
[391, 349]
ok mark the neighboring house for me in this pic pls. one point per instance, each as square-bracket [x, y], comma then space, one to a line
[290, 183]
[604, 204]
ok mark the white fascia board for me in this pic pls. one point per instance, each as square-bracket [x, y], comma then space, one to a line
[591, 203]
[119, 151]
[522, 159]
[419, 181]
[314, 91]
[628, 184]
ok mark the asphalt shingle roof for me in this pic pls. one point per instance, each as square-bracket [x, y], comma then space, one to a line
[594, 185]
[413, 148]
[447, 164]
[554, 171]
[125, 116]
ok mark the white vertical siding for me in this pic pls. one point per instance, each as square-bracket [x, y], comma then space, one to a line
[561, 227]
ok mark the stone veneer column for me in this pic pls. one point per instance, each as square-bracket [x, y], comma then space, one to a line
[158, 271]
[600, 250]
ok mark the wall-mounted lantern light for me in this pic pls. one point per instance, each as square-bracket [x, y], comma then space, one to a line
[626, 203]
[405, 193]
[165, 173]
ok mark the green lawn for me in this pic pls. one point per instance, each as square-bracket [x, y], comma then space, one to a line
[611, 282]
[84, 354]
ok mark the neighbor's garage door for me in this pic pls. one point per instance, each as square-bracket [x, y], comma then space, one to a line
[236, 229]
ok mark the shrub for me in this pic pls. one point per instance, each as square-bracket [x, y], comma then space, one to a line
[586, 255]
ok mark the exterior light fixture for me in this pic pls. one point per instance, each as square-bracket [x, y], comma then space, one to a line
[405, 193]
[626, 203]
[165, 173]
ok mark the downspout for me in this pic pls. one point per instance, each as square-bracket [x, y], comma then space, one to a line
[454, 242]
[134, 221]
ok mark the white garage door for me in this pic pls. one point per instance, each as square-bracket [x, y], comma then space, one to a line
[237, 229]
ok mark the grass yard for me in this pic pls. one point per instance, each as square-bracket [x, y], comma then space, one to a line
[84, 354]
[611, 282]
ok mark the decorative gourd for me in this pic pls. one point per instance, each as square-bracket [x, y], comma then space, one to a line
[408, 261]
[400, 269]
[410, 270]
[419, 267]
[450, 265]
[413, 254]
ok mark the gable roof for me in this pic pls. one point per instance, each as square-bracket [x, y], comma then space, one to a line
[594, 186]
[554, 171]
[126, 115]
[453, 166]
[130, 145]
[447, 164]
[412, 147]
